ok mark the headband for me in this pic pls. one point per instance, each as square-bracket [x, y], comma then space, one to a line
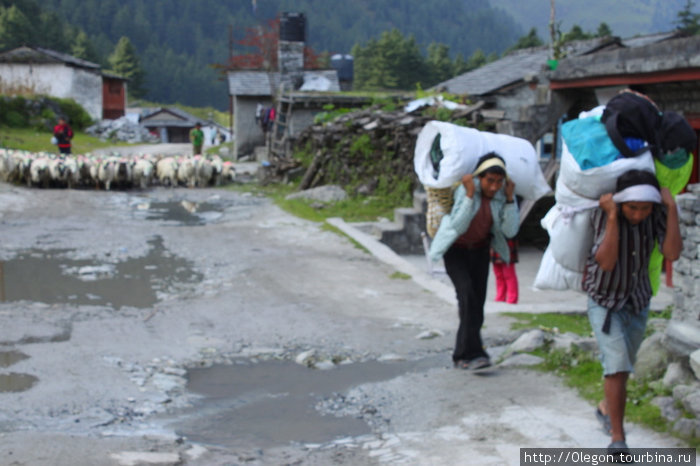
[638, 193]
[488, 163]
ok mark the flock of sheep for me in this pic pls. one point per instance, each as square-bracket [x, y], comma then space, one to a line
[44, 170]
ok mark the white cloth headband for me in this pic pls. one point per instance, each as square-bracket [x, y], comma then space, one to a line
[488, 163]
[638, 193]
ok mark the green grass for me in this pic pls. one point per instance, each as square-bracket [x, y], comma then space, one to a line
[40, 141]
[583, 372]
[357, 209]
[400, 276]
[575, 323]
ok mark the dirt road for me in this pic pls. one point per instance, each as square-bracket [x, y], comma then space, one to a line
[175, 326]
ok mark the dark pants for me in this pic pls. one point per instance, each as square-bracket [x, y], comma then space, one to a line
[469, 271]
[64, 150]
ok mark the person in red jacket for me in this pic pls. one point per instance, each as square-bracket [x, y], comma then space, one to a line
[63, 134]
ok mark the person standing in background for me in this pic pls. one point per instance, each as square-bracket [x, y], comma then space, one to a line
[64, 135]
[197, 139]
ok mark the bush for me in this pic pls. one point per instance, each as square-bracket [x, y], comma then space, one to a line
[76, 115]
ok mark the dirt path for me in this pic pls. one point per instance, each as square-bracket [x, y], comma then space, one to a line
[149, 285]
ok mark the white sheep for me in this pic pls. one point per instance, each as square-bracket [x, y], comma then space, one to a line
[186, 172]
[204, 171]
[39, 174]
[57, 172]
[72, 174]
[166, 171]
[142, 172]
[218, 166]
[228, 172]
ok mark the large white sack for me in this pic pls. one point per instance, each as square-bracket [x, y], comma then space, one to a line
[462, 147]
[570, 235]
[553, 276]
[594, 182]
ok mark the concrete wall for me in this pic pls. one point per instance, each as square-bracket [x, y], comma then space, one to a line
[55, 81]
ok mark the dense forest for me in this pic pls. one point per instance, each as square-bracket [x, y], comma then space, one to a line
[177, 41]
[167, 48]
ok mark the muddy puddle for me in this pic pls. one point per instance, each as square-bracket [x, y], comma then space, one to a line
[272, 403]
[13, 382]
[8, 358]
[182, 212]
[50, 276]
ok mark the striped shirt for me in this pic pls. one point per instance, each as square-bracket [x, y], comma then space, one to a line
[628, 283]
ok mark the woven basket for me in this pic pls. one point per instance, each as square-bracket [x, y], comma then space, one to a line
[439, 203]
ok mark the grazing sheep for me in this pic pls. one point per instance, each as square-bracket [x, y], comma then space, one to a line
[166, 171]
[186, 174]
[142, 173]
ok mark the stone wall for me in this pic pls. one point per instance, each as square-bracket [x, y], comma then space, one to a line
[683, 332]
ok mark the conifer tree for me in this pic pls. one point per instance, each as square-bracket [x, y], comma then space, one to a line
[125, 62]
[82, 48]
[15, 28]
[688, 22]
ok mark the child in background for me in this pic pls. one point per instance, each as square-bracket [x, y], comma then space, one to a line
[506, 279]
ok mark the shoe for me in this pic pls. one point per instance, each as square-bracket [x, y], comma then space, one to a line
[479, 363]
[604, 421]
[620, 451]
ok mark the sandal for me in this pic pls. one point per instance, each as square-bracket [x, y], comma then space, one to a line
[604, 421]
[462, 364]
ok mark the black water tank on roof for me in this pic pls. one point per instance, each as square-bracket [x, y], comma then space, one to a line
[343, 64]
[293, 27]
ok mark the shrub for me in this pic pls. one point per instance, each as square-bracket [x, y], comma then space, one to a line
[75, 113]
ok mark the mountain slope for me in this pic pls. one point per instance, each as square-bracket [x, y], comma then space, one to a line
[177, 40]
[626, 18]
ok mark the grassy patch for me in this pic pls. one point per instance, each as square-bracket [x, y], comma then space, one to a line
[583, 372]
[355, 209]
[575, 323]
[32, 140]
[400, 276]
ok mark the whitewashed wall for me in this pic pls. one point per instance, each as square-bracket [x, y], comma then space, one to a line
[85, 87]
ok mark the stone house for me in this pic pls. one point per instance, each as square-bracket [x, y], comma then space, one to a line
[170, 123]
[664, 67]
[305, 92]
[35, 70]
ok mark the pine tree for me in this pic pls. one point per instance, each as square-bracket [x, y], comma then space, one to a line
[604, 30]
[125, 62]
[688, 22]
[83, 48]
[439, 64]
[15, 28]
[530, 40]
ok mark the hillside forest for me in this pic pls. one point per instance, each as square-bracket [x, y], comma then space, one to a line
[174, 51]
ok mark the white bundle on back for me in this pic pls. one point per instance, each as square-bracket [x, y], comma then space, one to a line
[461, 148]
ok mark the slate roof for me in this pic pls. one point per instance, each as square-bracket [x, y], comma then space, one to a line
[183, 119]
[515, 67]
[263, 83]
[665, 55]
[28, 54]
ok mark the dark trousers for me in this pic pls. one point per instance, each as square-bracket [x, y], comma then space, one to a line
[469, 271]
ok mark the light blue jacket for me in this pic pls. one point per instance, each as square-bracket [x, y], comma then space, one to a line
[506, 221]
